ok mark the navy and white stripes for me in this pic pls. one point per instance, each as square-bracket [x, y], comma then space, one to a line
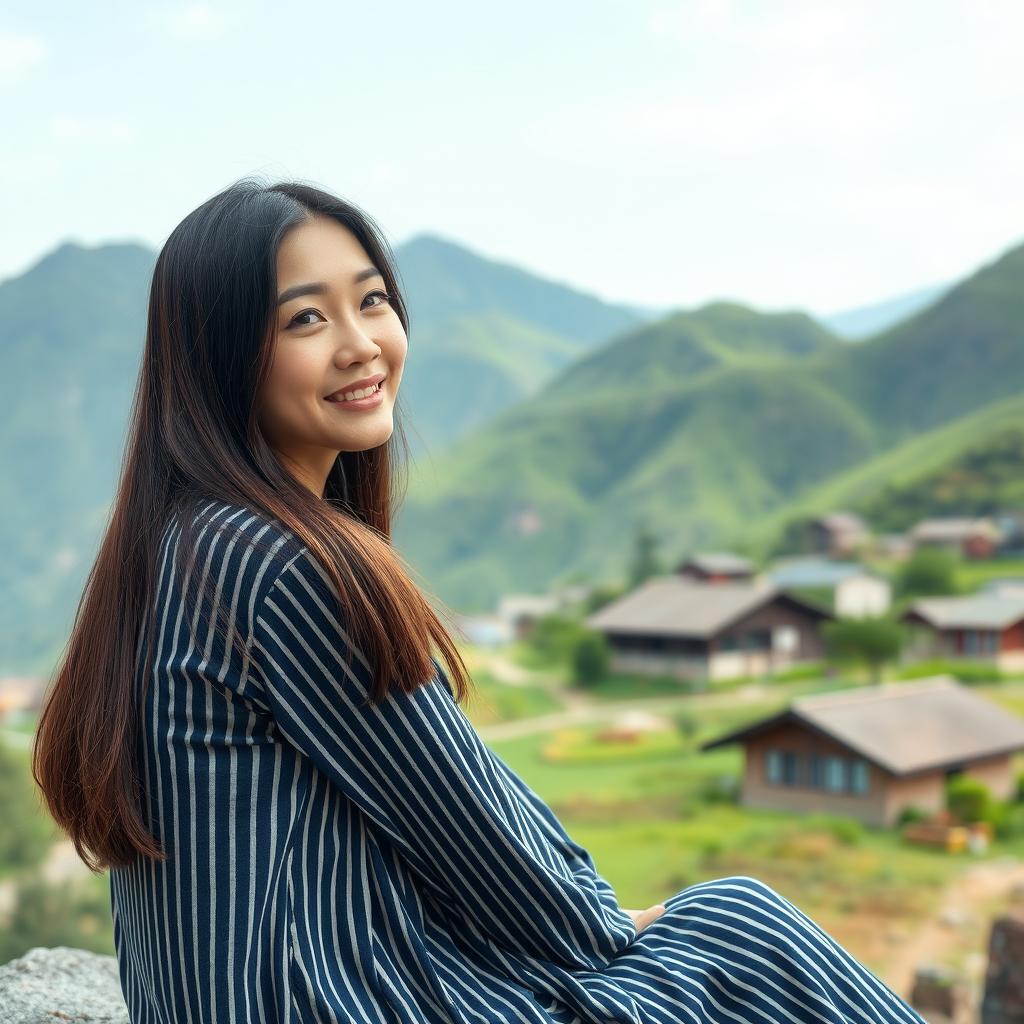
[335, 861]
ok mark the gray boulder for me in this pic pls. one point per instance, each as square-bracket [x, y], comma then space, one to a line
[61, 984]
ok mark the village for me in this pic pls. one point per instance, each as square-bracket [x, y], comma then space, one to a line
[906, 745]
[928, 758]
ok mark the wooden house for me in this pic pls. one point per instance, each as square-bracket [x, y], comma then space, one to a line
[869, 753]
[682, 627]
[987, 626]
[969, 537]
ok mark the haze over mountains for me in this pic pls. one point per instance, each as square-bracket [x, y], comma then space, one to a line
[569, 419]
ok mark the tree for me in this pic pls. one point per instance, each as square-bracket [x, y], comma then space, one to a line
[590, 658]
[872, 641]
[928, 572]
[644, 564]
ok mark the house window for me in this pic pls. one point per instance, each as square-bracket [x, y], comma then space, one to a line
[859, 776]
[835, 774]
[981, 641]
[782, 767]
[758, 640]
[817, 773]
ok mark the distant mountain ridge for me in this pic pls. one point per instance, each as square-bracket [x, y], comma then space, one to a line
[571, 419]
[703, 426]
[864, 321]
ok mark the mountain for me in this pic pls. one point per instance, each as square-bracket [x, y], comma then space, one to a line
[703, 427]
[484, 335]
[708, 425]
[71, 332]
[864, 321]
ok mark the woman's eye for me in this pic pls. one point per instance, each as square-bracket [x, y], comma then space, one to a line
[295, 319]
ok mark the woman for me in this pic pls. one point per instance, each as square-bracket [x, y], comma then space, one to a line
[250, 731]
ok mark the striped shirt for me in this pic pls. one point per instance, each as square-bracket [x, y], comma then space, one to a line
[334, 861]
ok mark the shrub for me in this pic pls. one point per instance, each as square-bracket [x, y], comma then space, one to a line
[969, 799]
[1011, 822]
[928, 571]
[911, 814]
[872, 641]
[554, 636]
[590, 657]
[720, 789]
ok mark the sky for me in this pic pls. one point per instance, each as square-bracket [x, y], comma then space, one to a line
[821, 155]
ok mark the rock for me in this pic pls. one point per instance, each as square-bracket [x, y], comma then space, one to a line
[939, 994]
[61, 984]
[1003, 1001]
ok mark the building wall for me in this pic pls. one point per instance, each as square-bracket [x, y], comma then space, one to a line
[997, 773]
[862, 595]
[925, 792]
[757, 791]
[887, 795]
[771, 616]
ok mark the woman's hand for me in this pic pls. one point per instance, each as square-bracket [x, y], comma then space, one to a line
[643, 918]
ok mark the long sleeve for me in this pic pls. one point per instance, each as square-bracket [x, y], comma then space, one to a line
[578, 857]
[418, 770]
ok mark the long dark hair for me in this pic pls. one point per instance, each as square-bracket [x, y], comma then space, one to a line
[193, 436]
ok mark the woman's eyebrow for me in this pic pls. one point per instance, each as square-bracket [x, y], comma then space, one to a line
[320, 287]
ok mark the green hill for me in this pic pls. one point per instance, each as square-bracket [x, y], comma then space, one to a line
[483, 335]
[732, 418]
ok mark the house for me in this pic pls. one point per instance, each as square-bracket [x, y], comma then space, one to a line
[837, 534]
[678, 626]
[869, 753]
[853, 589]
[716, 567]
[970, 537]
[986, 625]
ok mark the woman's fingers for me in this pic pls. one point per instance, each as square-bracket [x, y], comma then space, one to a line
[643, 918]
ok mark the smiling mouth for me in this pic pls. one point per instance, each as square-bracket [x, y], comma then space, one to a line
[339, 397]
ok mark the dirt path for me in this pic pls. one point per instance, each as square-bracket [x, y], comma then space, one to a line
[957, 933]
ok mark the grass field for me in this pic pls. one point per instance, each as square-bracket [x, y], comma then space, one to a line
[660, 815]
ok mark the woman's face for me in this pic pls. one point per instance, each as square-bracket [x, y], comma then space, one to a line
[328, 340]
